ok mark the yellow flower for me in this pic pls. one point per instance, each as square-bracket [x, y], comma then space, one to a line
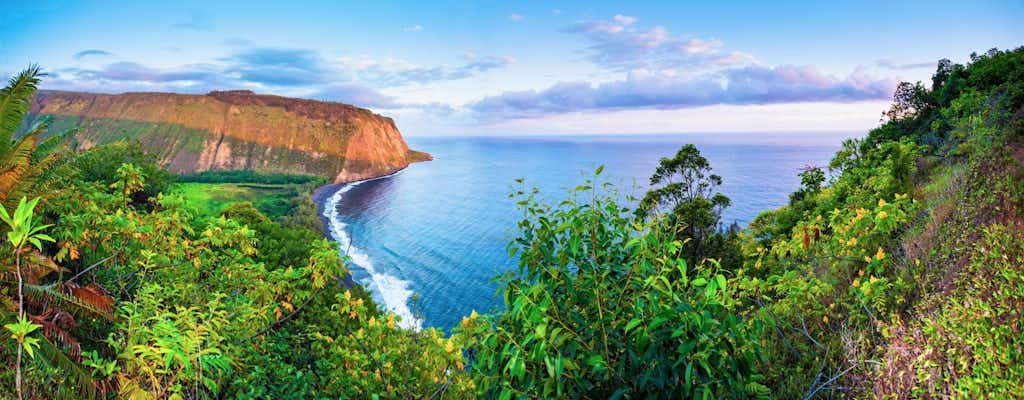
[825, 319]
[881, 202]
[860, 273]
[880, 255]
[449, 346]
[882, 214]
[901, 196]
[856, 282]
[372, 321]
[873, 279]
[391, 321]
[867, 259]
[348, 295]
[473, 314]
[819, 218]
[465, 321]
[852, 242]
[352, 314]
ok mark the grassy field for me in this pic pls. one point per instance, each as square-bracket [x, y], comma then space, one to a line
[274, 200]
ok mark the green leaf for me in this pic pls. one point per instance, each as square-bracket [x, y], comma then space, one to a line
[632, 324]
[700, 282]
[30, 344]
[600, 168]
[596, 362]
[721, 280]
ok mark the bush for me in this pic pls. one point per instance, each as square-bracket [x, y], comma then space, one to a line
[605, 307]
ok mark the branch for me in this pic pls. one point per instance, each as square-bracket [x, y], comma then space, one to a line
[277, 323]
[444, 386]
[826, 383]
[100, 262]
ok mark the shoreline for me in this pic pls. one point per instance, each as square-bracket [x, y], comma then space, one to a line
[389, 291]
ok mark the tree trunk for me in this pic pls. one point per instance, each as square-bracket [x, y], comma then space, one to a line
[21, 315]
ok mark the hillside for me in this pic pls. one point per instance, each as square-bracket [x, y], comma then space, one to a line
[235, 130]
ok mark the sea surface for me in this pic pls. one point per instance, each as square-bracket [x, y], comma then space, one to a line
[428, 240]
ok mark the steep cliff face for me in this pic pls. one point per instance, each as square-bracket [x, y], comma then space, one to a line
[237, 130]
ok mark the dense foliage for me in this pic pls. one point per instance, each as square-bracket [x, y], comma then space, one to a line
[605, 306]
[684, 195]
[248, 176]
[893, 272]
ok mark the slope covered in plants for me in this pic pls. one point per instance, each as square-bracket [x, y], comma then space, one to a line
[894, 272]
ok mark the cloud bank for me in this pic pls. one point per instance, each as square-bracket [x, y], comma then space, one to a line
[618, 44]
[293, 71]
[644, 90]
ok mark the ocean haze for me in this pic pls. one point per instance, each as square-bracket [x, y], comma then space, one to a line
[427, 241]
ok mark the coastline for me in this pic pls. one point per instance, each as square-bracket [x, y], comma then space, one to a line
[387, 290]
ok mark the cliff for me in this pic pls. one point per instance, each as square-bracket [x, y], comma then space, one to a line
[236, 130]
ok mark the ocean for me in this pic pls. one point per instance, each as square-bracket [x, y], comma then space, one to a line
[428, 240]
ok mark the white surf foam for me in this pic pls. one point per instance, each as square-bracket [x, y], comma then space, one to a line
[393, 292]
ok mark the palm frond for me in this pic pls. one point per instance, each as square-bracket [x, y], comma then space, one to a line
[83, 301]
[15, 163]
[54, 144]
[15, 101]
[57, 326]
[75, 375]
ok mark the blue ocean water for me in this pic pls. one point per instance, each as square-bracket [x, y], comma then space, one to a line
[427, 240]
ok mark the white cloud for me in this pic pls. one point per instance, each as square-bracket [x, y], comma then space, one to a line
[700, 46]
[645, 89]
[414, 28]
[515, 17]
[621, 45]
[624, 19]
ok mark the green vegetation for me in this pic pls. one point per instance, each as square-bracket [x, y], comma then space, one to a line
[274, 195]
[248, 176]
[894, 272]
[210, 198]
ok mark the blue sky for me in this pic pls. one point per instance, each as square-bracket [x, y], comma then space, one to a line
[524, 67]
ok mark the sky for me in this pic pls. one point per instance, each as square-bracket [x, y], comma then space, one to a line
[521, 67]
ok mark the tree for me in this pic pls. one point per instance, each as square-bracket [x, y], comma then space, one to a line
[22, 232]
[687, 198]
[23, 160]
[811, 179]
[909, 101]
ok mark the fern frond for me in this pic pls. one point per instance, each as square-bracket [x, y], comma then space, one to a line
[57, 328]
[130, 390]
[82, 302]
[75, 375]
[15, 101]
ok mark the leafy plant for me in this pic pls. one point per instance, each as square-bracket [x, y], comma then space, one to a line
[604, 306]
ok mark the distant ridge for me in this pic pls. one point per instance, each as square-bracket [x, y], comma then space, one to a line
[236, 129]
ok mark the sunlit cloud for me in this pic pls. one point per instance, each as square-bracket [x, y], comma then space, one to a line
[646, 90]
[620, 45]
